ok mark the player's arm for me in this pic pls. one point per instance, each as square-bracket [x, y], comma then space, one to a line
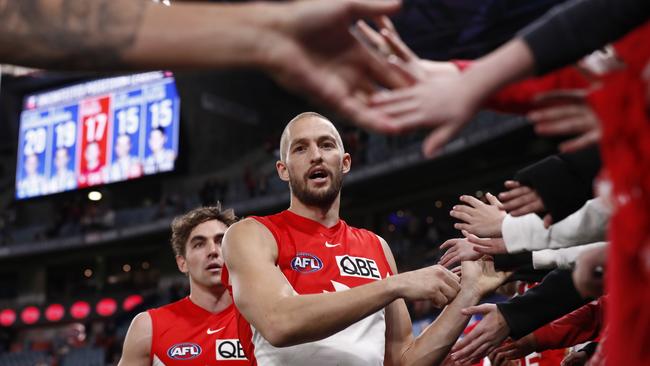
[265, 298]
[111, 34]
[137, 344]
[433, 345]
[305, 46]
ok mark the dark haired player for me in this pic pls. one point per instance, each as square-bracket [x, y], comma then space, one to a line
[200, 329]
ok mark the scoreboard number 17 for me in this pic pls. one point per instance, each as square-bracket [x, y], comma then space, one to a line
[96, 127]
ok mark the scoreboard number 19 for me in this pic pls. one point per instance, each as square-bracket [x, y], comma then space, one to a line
[65, 134]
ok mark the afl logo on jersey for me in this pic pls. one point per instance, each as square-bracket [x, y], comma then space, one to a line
[184, 351]
[306, 263]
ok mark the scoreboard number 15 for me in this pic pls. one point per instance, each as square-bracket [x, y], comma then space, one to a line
[161, 113]
[128, 120]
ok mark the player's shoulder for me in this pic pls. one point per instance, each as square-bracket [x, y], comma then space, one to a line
[141, 324]
[361, 233]
[173, 307]
[248, 230]
[173, 314]
[247, 226]
[248, 237]
[278, 219]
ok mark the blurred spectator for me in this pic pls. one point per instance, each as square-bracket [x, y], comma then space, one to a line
[169, 204]
[7, 220]
[73, 336]
[250, 181]
[96, 217]
[263, 184]
[212, 191]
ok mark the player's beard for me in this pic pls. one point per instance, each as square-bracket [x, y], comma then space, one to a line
[313, 198]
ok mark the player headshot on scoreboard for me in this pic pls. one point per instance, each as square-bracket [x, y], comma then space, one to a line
[160, 156]
[126, 164]
[63, 177]
[95, 130]
[32, 182]
[93, 169]
[32, 155]
[63, 147]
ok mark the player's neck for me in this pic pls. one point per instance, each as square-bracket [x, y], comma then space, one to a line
[213, 299]
[327, 216]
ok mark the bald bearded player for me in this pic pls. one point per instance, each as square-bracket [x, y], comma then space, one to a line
[317, 291]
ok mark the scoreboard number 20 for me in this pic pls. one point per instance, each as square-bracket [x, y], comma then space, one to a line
[35, 141]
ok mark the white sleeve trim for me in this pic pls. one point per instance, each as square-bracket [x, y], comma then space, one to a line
[587, 225]
[563, 258]
[524, 233]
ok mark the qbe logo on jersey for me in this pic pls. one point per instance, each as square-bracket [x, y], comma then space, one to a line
[357, 267]
[184, 351]
[230, 350]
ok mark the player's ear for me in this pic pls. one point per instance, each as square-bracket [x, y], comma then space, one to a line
[182, 264]
[283, 172]
[347, 163]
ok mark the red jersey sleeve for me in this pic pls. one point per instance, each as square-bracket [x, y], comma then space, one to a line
[581, 325]
[519, 97]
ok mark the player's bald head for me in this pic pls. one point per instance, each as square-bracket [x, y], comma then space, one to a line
[305, 117]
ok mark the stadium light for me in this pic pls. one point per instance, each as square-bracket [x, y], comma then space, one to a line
[94, 195]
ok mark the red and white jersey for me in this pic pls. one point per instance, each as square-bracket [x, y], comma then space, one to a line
[316, 259]
[184, 333]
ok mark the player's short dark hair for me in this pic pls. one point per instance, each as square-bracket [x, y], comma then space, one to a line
[183, 225]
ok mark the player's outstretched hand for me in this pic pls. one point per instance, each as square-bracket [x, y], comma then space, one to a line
[434, 282]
